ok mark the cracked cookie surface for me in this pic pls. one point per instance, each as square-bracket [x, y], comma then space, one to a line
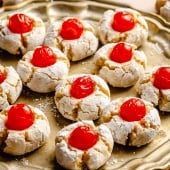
[93, 157]
[86, 108]
[132, 133]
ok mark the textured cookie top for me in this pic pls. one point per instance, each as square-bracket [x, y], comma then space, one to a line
[98, 138]
[21, 32]
[123, 25]
[10, 86]
[154, 87]
[24, 128]
[132, 121]
[120, 64]
[42, 68]
[81, 44]
[81, 96]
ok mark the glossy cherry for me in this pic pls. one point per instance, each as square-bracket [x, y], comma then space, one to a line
[83, 138]
[82, 87]
[121, 52]
[133, 110]
[43, 56]
[123, 21]
[20, 23]
[20, 117]
[71, 29]
[2, 76]
[162, 78]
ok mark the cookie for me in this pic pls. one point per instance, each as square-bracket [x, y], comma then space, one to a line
[23, 129]
[20, 33]
[154, 86]
[75, 37]
[10, 86]
[42, 68]
[125, 25]
[81, 96]
[132, 121]
[82, 144]
[119, 64]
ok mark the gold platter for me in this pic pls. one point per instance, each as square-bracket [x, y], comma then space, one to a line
[155, 155]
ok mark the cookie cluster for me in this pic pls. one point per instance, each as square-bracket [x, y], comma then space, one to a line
[47, 54]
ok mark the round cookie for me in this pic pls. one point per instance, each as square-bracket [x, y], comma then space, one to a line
[131, 120]
[82, 144]
[42, 68]
[81, 96]
[23, 129]
[154, 86]
[10, 86]
[119, 64]
[123, 24]
[21, 32]
[75, 37]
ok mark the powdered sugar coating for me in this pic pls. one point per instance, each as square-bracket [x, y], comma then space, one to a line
[87, 108]
[10, 88]
[119, 74]
[93, 158]
[16, 43]
[43, 79]
[138, 35]
[165, 10]
[147, 91]
[135, 133]
[16, 142]
[77, 49]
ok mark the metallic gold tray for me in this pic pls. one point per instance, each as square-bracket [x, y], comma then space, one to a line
[155, 155]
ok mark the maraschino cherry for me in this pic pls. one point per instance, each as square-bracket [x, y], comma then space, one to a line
[83, 138]
[2, 76]
[71, 29]
[123, 21]
[43, 56]
[82, 87]
[162, 78]
[20, 23]
[133, 110]
[121, 53]
[19, 117]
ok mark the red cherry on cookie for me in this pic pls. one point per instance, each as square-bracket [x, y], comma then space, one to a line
[2, 76]
[43, 56]
[71, 29]
[162, 78]
[20, 23]
[133, 110]
[82, 87]
[20, 117]
[123, 21]
[83, 138]
[121, 52]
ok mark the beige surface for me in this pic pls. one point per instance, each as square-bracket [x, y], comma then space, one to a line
[145, 5]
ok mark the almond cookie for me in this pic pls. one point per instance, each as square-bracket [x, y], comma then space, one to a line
[82, 144]
[23, 129]
[132, 121]
[154, 86]
[10, 86]
[20, 33]
[81, 96]
[120, 64]
[42, 68]
[125, 25]
[76, 38]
